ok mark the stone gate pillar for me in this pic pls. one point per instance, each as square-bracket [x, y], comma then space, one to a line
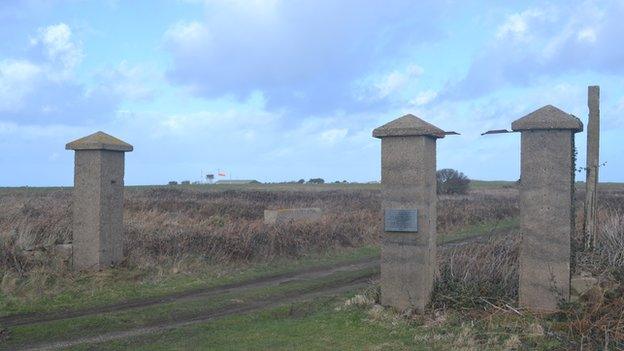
[408, 241]
[98, 201]
[546, 216]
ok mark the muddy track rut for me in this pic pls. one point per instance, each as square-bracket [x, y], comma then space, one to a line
[228, 310]
[225, 311]
[307, 273]
[304, 274]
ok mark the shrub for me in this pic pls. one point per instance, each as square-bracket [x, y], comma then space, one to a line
[451, 181]
[316, 181]
[611, 237]
[173, 221]
[470, 274]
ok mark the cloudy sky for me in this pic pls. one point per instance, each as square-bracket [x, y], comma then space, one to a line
[279, 90]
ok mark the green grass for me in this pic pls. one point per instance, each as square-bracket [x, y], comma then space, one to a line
[312, 327]
[480, 184]
[119, 284]
[167, 312]
[326, 324]
[123, 284]
[315, 325]
[481, 229]
[124, 288]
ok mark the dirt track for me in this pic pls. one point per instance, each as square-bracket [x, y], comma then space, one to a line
[273, 301]
[210, 315]
[308, 273]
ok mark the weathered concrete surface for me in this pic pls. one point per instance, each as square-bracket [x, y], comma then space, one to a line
[546, 194]
[99, 141]
[579, 285]
[63, 252]
[592, 165]
[292, 214]
[408, 125]
[547, 118]
[98, 201]
[408, 166]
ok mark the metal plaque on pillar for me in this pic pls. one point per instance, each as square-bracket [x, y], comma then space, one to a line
[401, 220]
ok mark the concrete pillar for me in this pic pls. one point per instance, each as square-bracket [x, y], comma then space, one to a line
[408, 241]
[546, 216]
[98, 201]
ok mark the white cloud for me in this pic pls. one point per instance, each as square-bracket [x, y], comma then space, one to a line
[424, 97]
[244, 120]
[517, 25]
[54, 156]
[129, 82]
[184, 35]
[253, 7]
[333, 136]
[587, 34]
[305, 56]
[396, 80]
[60, 48]
[42, 87]
[389, 85]
[18, 78]
[34, 132]
[537, 44]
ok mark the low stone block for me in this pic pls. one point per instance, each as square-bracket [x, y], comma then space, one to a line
[292, 214]
[579, 285]
[64, 252]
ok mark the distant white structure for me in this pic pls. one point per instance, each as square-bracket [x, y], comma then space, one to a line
[210, 178]
[236, 181]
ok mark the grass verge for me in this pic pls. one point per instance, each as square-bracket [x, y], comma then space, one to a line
[168, 313]
[117, 284]
[329, 323]
[122, 284]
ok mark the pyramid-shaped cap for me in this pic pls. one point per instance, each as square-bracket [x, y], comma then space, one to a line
[548, 117]
[408, 125]
[99, 141]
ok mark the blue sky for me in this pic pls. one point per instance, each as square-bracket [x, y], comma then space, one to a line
[280, 90]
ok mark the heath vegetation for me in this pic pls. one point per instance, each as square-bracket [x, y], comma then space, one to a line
[182, 229]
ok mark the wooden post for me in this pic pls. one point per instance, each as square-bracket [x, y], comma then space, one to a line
[591, 169]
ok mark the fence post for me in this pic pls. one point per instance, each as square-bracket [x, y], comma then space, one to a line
[592, 166]
[546, 211]
[98, 201]
[408, 241]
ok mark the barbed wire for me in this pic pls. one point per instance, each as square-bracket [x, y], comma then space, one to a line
[580, 169]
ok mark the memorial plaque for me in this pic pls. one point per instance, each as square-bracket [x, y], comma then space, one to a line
[401, 220]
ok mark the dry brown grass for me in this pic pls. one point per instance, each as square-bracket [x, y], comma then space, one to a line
[478, 275]
[597, 320]
[167, 224]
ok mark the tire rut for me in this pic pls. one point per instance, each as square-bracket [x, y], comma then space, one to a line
[308, 273]
[274, 301]
[217, 313]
